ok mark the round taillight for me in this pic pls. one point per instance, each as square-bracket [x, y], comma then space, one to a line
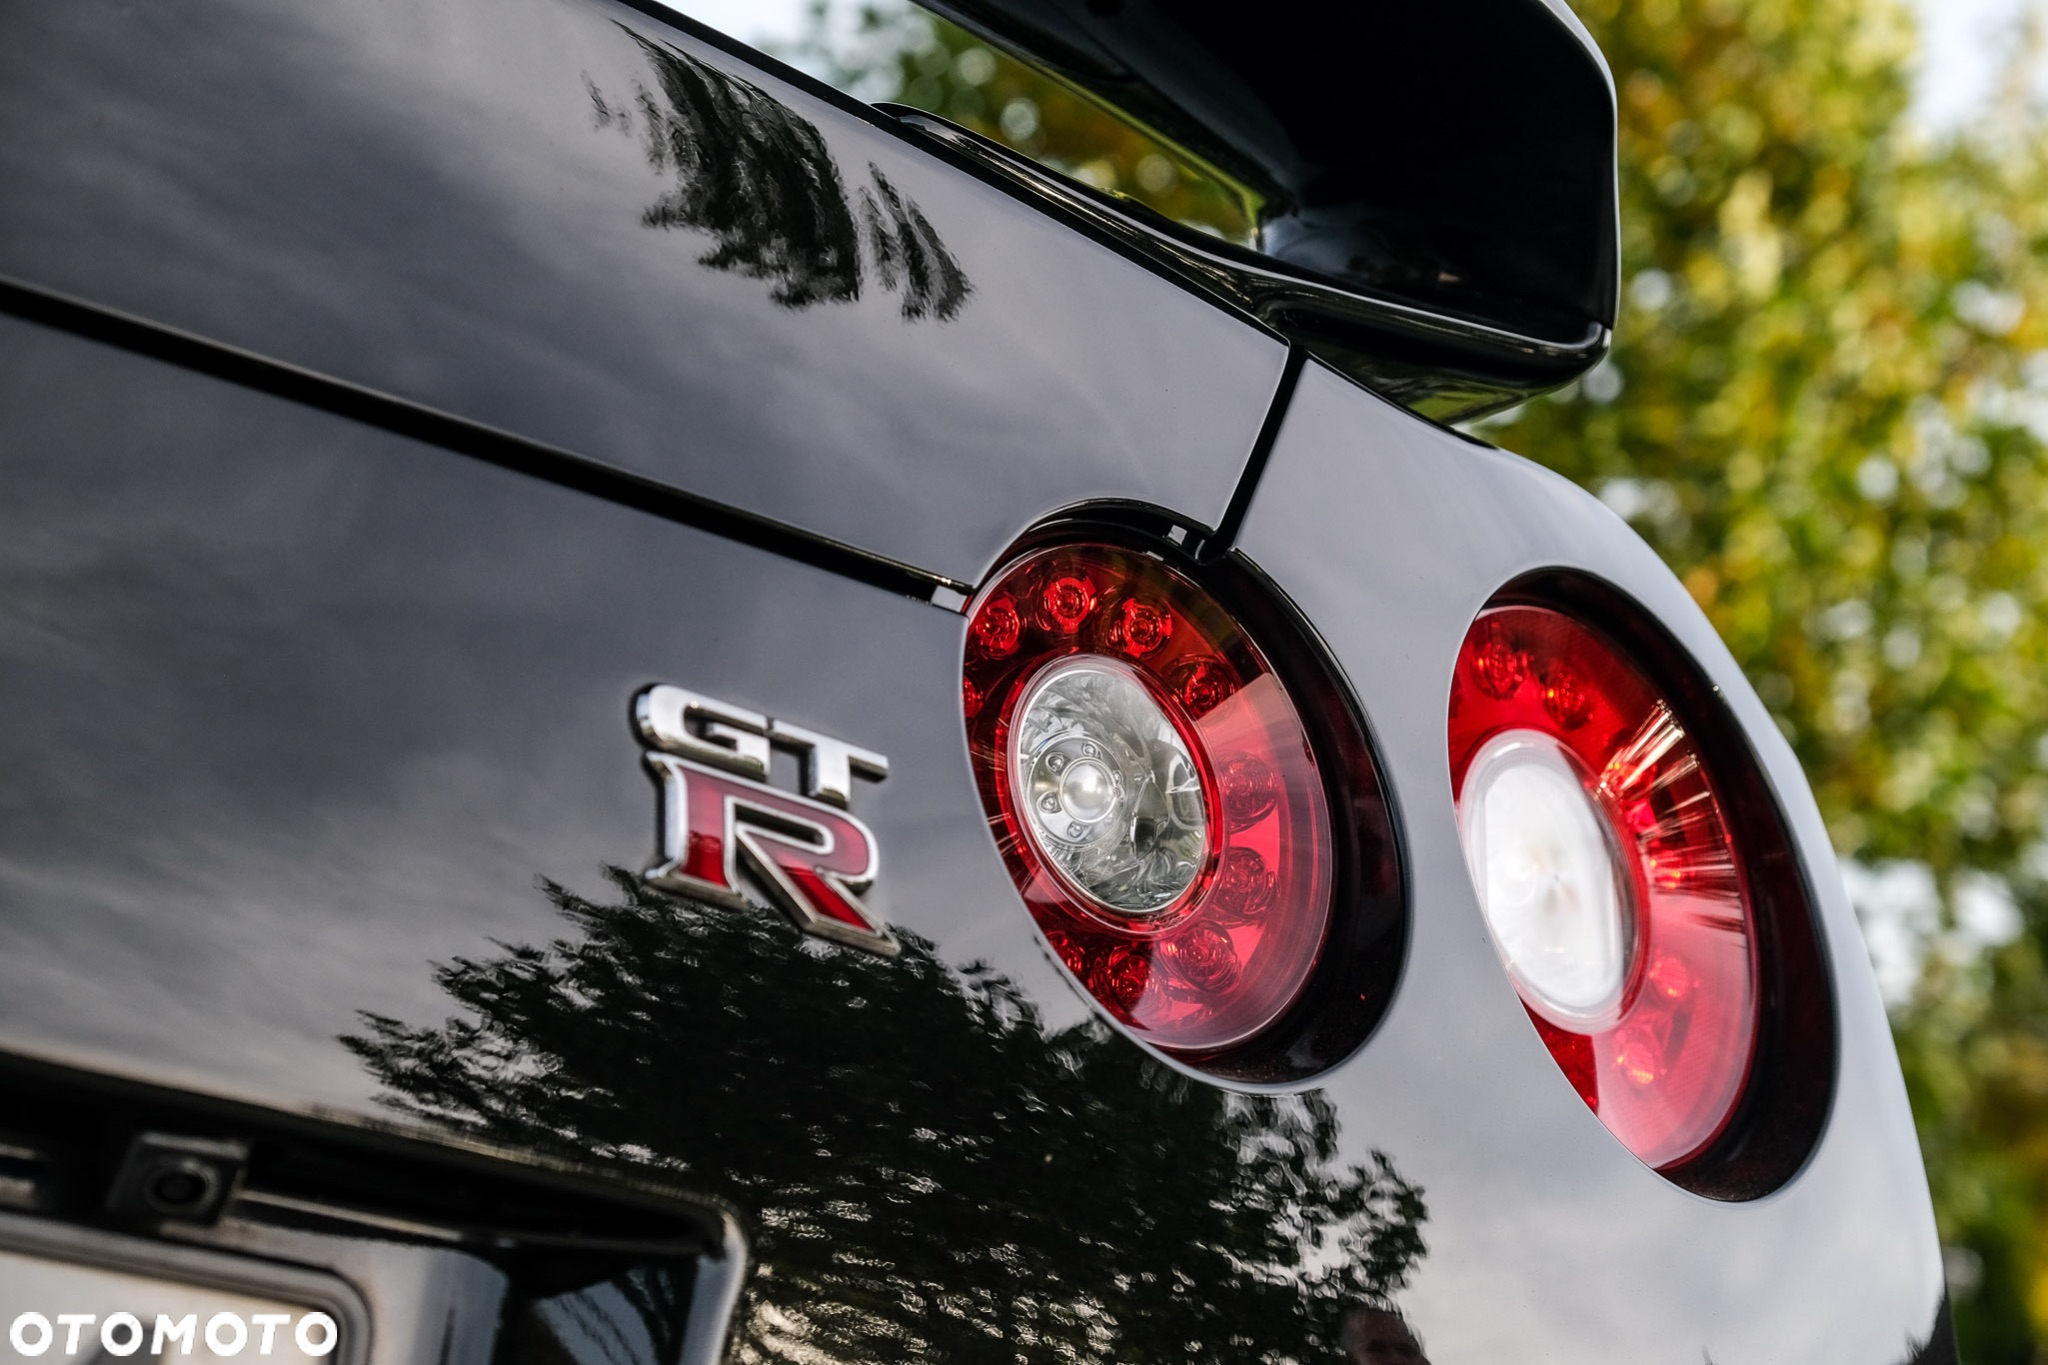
[1603, 855]
[1157, 794]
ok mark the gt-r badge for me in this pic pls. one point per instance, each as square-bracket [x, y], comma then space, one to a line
[806, 853]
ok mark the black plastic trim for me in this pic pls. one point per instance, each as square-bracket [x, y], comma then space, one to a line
[1444, 366]
[1216, 545]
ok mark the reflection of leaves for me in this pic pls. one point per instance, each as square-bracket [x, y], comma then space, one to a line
[759, 179]
[908, 254]
[932, 1174]
[1940, 1346]
[754, 174]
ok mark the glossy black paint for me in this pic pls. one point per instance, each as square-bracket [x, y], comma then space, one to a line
[318, 792]
[353, 697]
[580, 225]
[320, 814]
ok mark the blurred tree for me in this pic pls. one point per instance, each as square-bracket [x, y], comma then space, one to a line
[1827, 408]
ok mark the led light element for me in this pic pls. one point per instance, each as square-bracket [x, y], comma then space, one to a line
[1547, 876]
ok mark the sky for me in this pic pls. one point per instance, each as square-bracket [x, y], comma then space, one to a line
[748, 20]
[1963, 38]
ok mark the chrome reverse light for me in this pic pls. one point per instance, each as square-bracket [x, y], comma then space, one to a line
[1165, 806]
[1108, 787]
[1614, 870]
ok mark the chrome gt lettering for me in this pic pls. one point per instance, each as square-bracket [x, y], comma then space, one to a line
[719, 815]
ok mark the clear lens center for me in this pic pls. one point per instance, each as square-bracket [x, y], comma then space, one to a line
[1114, 798]
[1546, 873]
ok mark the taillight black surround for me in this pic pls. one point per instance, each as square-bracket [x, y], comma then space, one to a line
[1165, 757]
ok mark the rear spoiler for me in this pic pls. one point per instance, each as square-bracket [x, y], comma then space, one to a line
[1438, 176]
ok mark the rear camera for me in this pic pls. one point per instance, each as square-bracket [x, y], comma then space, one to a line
[180, 1187]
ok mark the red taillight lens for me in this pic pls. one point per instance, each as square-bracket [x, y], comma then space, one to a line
[1600, 846]
[1154, 792]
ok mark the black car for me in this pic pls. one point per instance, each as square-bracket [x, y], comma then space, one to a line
[652, 715]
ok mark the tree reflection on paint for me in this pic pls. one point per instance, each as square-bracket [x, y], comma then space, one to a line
[927, 1172]
[758, 178]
